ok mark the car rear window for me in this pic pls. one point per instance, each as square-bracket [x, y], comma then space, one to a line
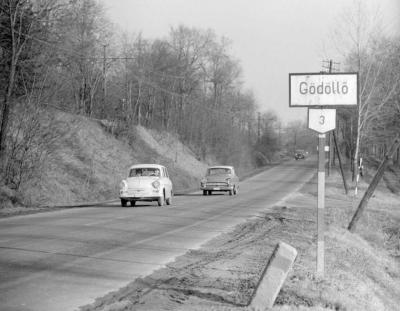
[144, 171]
[218, 171]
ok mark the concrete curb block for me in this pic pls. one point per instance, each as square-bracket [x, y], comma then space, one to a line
[273, 277]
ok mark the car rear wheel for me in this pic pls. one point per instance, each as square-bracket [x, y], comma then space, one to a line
[209, 192]
[205, 192]
[230, 192]
[133, 203]
[123, 203]
[169, 200]
[161, 200]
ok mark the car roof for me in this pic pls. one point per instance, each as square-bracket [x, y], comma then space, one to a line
[146, 165]
[221, 166]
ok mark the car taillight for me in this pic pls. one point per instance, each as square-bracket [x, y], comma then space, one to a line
[155, 184]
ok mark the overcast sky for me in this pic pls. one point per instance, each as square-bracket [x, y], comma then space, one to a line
[271, 38]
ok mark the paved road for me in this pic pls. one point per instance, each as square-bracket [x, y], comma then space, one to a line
[65, 259]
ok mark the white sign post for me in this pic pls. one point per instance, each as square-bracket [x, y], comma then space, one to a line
[321, 90]
[321, 121]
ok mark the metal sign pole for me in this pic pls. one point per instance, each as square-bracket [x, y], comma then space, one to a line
[321, 206]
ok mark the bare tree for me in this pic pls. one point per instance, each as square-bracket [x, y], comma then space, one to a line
[22, 25]
[79, 33]
[356, 35]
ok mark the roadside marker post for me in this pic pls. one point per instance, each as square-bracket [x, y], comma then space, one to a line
[318, 91]
[321, 206]
[321, 121]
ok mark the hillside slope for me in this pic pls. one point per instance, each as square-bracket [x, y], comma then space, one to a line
[87, 163]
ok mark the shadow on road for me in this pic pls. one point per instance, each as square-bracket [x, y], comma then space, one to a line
[197, 194]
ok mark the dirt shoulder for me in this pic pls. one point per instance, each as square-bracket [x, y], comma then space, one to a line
[362, 269]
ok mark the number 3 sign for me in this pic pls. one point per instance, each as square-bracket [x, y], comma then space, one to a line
[321, 120]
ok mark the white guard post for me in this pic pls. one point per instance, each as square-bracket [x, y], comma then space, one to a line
[321, 121]
[321, 207]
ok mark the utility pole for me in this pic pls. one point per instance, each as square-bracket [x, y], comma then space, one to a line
[104, 59]
[329, 68]
[328, 65]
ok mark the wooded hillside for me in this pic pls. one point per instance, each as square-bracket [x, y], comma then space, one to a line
[67, 54]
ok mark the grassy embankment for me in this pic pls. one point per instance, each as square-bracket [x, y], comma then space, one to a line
[87, 163]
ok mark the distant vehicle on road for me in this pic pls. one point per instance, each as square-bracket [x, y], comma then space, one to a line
[146, 182]
[299, 155]
[220, 178]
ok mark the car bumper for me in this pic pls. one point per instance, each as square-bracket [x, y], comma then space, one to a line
[137, 198]
[140, 195]
[217, 188]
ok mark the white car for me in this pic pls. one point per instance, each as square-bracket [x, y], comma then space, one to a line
[146, 182]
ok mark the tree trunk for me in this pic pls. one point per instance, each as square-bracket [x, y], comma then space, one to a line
[3, 128]
[374, 183]
[340, 162]
[357, 148]
[6, 108]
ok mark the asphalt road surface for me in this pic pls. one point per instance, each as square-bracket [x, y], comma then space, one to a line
[64, 259]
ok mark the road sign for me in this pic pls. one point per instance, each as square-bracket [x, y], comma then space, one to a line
[321, 120]
[323, 89]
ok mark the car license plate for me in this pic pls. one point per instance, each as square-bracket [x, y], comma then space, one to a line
[216, 188]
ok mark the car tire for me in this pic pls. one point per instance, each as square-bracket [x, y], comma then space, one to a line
[205, 192]
[169, 200]
[133, 203]
[123, 202]
[230, 192]
[209, 192]
[160, 201]
[235, 191]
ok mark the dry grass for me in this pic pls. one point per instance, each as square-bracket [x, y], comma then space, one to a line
[361, 271]
[87, 163]
[170, 147]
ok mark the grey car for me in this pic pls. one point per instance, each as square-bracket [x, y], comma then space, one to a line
[220, 179]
